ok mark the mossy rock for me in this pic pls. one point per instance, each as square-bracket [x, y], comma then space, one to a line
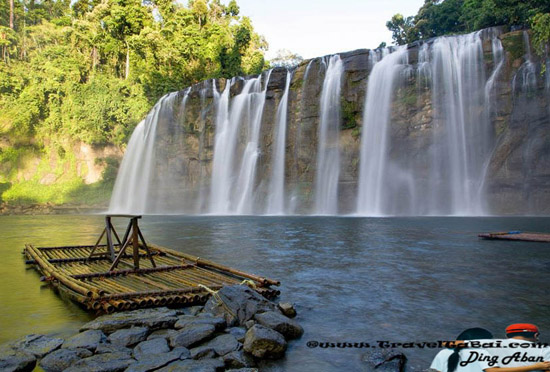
[350, 114]
[513, 43]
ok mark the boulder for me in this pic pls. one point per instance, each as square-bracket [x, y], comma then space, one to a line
[203, 352]
[62, 359]
[89, 339]
[162, 333]
[192, 310]
[153, 319]
[13, 360]
[128, 337]
[287, 309]
[151, 347]
[237, 332]
[203, 365]
[239, 304]
[109, 362]
[192, 334]
[238, 359]
[38, 345]
[280, 323]
[224, 344]
[110, 348]
[245, 370]
[385, 360]
[155, 361]
[264, 342]
[185, 320]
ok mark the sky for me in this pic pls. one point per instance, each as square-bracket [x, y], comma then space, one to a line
[317, 28]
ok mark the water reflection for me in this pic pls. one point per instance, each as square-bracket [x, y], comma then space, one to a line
[353, 279]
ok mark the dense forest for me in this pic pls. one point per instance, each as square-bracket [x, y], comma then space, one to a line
[89, 70]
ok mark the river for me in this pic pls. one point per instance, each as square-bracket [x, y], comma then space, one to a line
[352, 279]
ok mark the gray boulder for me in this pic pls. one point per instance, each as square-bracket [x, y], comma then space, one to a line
[13, 360]
[151, 347]
[192, 335]
[154, 361]
[237, 332]
[239, 304]
[162, 333]
[264, 342]
[62, 359]
[185, 320]
[151, 318]
[280, 323]
[238, 359]
[203, 365]
[110, 348]
[128, 337]
[203, 352]
[192, 310]
[109, 362]
[38, 345]
[224, 344]
[287, 309]
[385, 360]
[89, 339]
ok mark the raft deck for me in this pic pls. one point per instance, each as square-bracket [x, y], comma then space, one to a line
[518, 236]
[107, 278]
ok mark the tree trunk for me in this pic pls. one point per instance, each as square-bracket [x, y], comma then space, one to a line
[11, 14]
[127, 61]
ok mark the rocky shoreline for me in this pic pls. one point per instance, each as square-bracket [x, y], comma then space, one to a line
[7, 209]
[235, 330]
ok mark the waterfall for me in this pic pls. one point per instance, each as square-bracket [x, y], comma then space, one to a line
[328, 156]
[131, 190]
[374, 142]
[276, 199]
[444, 127]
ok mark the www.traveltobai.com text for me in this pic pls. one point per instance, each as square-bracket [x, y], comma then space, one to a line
[423, 345]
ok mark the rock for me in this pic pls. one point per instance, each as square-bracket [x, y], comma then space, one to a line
[184, 320]
[385, 360]
[237, 332]
[128, 337]
[162, 333]
[245, 370]
[238, 359]
[110, 348]
[155, 361]
[203, 352]
[192, 335]
[280, 323]
[240, 303]
[264, 342]
[109, 362]
[203, 365]
[88, 339]
[38, 345]
[223, 344]
[151, 318]
[249, 324]
[60, 359]
[12, 360]
[287, 309]
[151, 347]
[193, 310]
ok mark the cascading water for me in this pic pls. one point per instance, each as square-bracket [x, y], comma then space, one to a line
[373, 163]
[432, 134]
[328, 156]
[276, 198]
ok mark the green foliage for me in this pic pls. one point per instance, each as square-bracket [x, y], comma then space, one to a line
[443, 17]
[89, 70]
[350, 114]
[540, 25]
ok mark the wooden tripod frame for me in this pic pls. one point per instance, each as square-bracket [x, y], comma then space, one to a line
[132, 236]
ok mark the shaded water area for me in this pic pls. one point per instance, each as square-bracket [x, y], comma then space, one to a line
[352, 279]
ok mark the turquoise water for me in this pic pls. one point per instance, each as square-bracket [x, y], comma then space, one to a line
[352, 279]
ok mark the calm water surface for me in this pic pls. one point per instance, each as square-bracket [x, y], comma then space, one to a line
[352, 279]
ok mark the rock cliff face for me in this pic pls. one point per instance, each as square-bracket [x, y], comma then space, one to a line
[506, 160]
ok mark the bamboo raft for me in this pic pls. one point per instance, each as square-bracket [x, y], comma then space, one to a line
[152, 275]
[517, 236]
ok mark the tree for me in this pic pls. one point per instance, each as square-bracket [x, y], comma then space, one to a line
[403, 29]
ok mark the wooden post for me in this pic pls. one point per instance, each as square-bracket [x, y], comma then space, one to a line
[109, 237]
[135, 242]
